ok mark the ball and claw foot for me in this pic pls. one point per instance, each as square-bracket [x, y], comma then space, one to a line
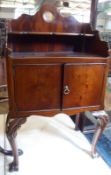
[95, 155]
[13, 167]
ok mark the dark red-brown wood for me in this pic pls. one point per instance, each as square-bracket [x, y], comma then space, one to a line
[85, 89]
[42, 94]
[53, 67]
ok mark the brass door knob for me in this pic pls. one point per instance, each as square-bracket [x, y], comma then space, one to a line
[66, 90]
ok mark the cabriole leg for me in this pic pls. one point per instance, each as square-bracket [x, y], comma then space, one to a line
[12, 126]
[101, 124]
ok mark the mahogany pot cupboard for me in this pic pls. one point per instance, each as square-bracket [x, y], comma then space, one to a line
[54, 65]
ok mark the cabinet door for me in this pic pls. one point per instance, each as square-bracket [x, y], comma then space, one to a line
[83, 85]
[37, 87]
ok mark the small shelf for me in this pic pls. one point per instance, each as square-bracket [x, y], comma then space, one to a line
[52, 33]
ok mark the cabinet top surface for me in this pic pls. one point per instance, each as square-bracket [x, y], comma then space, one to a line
[56, 57]
[51, 54]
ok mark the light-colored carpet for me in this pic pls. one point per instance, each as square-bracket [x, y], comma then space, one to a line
[52, 147]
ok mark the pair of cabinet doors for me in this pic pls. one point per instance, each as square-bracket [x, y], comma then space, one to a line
[58, 86]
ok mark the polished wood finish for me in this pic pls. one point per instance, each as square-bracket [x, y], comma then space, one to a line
[84, 89]
[52, 67]
[46, 93]
[45, 79]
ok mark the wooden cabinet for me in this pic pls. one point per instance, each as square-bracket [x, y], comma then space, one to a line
[52, 67]
[52, 84]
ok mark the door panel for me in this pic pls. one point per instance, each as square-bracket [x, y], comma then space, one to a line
[85, 83]
[37, 87]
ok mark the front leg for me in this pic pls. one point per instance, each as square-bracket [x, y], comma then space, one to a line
[12, 125]
[100, 121]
